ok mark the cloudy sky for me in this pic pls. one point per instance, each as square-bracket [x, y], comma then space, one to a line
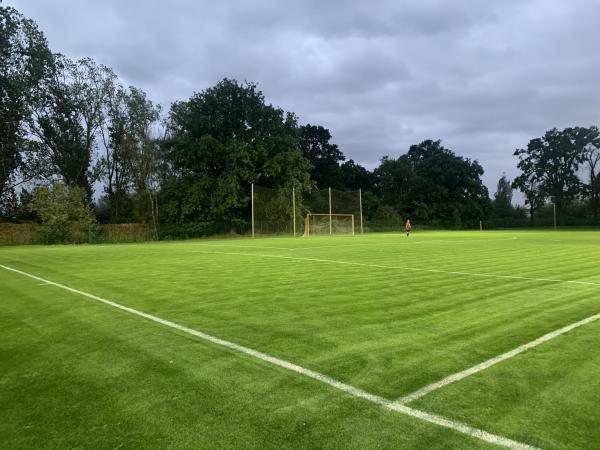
[482, 76]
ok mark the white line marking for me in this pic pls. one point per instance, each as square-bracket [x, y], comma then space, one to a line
[413, 269]
[492, 361]
[351, 390]
[355, 244]
[240, 246]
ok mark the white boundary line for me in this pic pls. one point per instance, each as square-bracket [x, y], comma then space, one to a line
[351, 390]
[413, 269]
[492, 361]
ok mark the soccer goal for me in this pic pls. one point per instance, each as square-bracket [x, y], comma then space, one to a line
[283, 210]
[329, 224]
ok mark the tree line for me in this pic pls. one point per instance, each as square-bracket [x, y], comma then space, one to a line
[77, 146]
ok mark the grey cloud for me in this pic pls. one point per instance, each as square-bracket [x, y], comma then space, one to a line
[485, 77]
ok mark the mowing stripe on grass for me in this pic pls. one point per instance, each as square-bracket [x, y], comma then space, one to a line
[351, 390]
[492, 361]
[412, 269]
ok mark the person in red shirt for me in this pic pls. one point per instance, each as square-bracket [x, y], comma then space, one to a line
[408, 227]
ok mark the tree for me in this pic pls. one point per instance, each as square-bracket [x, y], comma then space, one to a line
[431, 183]
[61, 210]
[502, 209]
[549, 166]
[141, 153]
[24, 63]
[69, 117]
[591, 157]
[355, 176]
[219, 142]
[324, 156]
[114, 162]
[535, 196]
[393, 180]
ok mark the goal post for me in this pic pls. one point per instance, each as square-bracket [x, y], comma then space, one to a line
[328, 224]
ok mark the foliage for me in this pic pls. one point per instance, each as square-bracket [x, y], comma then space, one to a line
[432, 184]
[355, 176]
[60, 208]
[549, 166]
[24, 62]
[324, 156]
[74, 121]
[503, 214]
[69, 115]
[591, 158]
[220, 141]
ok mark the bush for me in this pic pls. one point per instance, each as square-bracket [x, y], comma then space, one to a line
[64, 214]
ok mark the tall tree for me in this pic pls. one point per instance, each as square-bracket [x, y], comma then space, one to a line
[69, 118]
[141, 155]
[504, 191]
[535, 196]
[324, 156]
[449, 184]
[502, 209]
[431, 183]
[591, 157]
[355, 176]
[393, 181]
[550, 164]
[24, 62]
[221, 140]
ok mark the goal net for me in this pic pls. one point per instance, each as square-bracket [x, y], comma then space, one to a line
[290, 211]
[329, 224]
[273, 211]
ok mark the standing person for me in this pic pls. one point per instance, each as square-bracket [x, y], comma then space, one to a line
[407, 227]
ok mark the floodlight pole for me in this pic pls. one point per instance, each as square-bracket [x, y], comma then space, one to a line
[330, 227]
[294, 208]
[252, 201]
[360, 206]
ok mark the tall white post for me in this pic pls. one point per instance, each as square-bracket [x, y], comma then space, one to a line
[330, 227]
[361, 215]
[294, 208]
[252, 197]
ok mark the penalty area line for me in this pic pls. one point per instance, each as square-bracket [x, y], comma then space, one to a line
[348, 389]
[493, 361]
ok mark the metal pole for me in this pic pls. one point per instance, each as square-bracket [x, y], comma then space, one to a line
[252, 196]
[554, 204]
[330, 228]
[294, 208]
[361, 217]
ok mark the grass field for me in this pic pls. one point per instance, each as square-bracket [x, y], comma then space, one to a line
[365, 322]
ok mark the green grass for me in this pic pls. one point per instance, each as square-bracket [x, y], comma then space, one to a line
[79, 374]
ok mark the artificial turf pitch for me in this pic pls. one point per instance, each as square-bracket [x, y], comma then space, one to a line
[383, 313]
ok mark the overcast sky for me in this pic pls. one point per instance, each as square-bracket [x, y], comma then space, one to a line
[482, 76]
